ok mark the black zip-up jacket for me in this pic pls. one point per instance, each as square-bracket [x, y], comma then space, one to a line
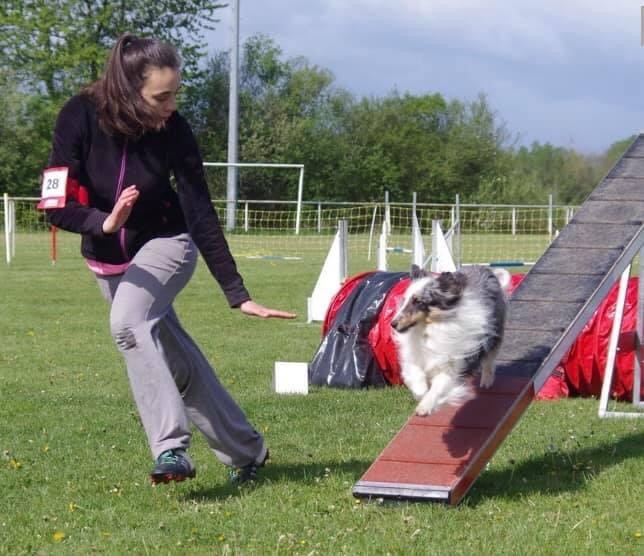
[106, 164]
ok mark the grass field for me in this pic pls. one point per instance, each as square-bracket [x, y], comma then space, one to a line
[74, 460]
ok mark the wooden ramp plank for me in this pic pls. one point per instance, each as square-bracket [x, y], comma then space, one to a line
[439, 457]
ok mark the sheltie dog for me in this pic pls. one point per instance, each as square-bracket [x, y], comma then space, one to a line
[449, 325]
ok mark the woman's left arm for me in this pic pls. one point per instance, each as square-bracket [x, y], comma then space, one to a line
[203, 223]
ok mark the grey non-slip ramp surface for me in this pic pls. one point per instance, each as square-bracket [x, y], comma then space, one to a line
[439, 457]
[567, 284]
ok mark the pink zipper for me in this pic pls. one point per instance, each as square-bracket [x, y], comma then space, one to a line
[119, 188]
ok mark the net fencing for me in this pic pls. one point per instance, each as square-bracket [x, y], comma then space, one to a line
[485, 234]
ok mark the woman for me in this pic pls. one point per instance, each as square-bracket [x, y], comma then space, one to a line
[120, 140]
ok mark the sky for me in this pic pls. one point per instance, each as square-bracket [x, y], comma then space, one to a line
[567, 72]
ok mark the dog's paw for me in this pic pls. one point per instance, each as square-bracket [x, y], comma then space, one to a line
[418, 388]
[425, 408]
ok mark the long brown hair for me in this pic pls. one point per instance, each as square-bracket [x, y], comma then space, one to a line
[121, 108]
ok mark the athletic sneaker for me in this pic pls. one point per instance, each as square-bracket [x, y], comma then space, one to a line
[248, 472]
[172, 465]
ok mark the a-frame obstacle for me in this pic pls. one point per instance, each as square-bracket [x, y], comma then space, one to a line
[439, 457]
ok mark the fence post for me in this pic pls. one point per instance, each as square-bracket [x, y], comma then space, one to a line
[343, 231]
[514, 221]
[319, 218]
[458, 229]
[298, 211]
[12, 226]
[387, 212]
[7, 225]
[371, 229]
[550, 209]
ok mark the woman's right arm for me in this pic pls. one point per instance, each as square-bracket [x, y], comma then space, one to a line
[70, 134]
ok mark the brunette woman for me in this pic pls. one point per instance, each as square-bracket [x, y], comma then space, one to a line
[121, 140]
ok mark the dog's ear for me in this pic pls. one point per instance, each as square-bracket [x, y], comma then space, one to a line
[452, 283]
[417, 272]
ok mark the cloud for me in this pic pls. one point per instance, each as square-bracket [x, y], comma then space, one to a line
[558, 71]
[578, 122]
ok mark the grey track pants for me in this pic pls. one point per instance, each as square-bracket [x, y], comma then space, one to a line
[172, 382]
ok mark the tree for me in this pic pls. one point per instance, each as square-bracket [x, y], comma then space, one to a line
[543, 169]
[24, 137]
[419, 144]
[55, 46]
[475, 148]
[390, 144]
[282, 108]
[291, 111]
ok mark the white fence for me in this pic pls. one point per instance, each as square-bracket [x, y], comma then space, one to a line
[488, 234]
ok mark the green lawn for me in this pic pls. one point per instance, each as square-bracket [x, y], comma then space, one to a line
[74, 461]
[482, 248]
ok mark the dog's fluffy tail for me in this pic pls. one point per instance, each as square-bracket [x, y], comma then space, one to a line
[504, 278]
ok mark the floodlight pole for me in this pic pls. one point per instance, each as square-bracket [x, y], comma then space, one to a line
[233, 120]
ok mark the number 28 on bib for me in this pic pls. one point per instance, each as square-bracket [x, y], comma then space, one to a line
[53, 188]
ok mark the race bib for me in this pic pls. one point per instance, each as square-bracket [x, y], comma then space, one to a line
[54, 188]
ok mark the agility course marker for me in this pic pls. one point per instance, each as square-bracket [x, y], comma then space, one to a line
[381, 260]
[334, 272]
[441, 256]
[290, 377]
[442, 260]
[418, 249]
[546, 312]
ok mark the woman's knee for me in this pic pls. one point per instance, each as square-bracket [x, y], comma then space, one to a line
[125, 338]
[124, 329]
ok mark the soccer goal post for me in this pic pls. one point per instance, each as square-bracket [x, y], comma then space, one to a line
[232, 202]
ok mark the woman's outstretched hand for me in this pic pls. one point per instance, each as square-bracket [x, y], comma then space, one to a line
[256, 310]
[121, 211]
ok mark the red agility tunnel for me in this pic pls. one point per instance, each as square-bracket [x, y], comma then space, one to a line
[581, 370]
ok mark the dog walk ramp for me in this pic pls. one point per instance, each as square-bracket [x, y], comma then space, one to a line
[440, 456]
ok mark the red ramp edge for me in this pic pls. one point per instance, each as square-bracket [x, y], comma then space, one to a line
[439, 457]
